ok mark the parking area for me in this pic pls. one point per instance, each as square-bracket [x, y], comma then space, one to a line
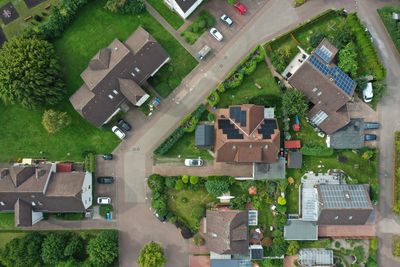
[217, 8]
[106, 168]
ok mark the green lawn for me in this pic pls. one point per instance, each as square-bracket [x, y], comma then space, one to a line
[307, 135]
[391, 25]
[292, 197]
[186, 148]
[189, 205]
[248, 89]
[7, 221]
[201, 24]
[171, 17]
[18, 25]
[6, 237]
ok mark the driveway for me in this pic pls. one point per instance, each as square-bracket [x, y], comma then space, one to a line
[106, 168]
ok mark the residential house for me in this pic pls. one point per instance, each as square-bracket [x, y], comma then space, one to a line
[183, 7]
[115, 76]
[245, 134]
[316, 257]
[325, 85]
[31, 190]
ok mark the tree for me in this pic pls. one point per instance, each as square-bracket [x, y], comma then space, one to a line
[348, 59]
[133, 7]
[179, 185]
[281, 201]
[103, 249]
[316, 38]
[53, 248]
[367, 155]
[74, 246]
[23, 251]
[294, 103]
[185, 179]
[216, 186]
[285, 51]
[293, 248]
[194, 179]
[54, 121]
[151, 255]
[156, 183]
[30, 73]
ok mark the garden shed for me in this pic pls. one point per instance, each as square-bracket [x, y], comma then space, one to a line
[204, 136]
[295, 160]
[316, 257]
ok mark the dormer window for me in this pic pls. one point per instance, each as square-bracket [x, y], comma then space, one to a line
[33, 203]
[315, 89]
[137, 69]
[2, 203]
[319, 93]
[110, 97]
[115, 92]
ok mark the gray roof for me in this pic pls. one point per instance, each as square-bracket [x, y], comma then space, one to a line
[349, 137]
[204, 136]
[316, 257]
[185, 5]
[230, 263]
[344, 196]
[276, 170]
[22, 213]
[295, 160]
[300, 230]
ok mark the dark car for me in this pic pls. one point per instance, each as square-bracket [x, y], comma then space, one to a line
[124, 125]
[370, 137]
[162, 219]
[107, 156]
[105, 180]
[371, 125]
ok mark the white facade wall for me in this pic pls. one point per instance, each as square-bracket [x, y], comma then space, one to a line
[87, 190]
[174, 6]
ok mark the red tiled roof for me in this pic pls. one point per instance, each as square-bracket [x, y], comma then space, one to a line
[292, 144]
[64, 167]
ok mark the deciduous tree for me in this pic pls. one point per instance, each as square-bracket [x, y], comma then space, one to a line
[103, 249]
[126, 6]
[348, 59]
[294, 103]
[151, 255]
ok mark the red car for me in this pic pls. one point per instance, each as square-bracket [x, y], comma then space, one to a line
[240, 7]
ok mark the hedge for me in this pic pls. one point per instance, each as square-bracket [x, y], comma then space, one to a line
[396, 172]
[316, 150]
[213, 98]
[89, 162]
[366, 47]
[392, 26]
[169, 142]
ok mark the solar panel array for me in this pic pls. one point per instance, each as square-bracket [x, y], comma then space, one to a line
[342, 80]
[344, 196]
[229, 129]
[238, 115]
[314, 257]
[267, 128]
[324, 53]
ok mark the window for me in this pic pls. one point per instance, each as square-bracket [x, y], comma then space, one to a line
[319, 93]
[115, 92]
[89, 187]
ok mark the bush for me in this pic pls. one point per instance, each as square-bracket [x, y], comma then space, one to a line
[213, 98]
[337, 244]
[185, 179]
[281, 201]
[179, 185]
[168, 143]
[151, 255]
[298, 3]
[54, 121]
[221, 88]
[211, 117]
[194, 180]
[170, 182]
[156, 183]
[217, 185]
[316, 150]
[316, 38]
[198, 240]
[294, 103]
[391, 25]
[133, 7]
[234, 81]
[189, 122]
[348, 59]
[104, 209]
[89, 163]
[293, 248]
[249, 67]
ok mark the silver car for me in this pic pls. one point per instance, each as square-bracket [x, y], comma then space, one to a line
[227, 20]
[216, 34]
[103, 200]
[194, 162]
[118, 132]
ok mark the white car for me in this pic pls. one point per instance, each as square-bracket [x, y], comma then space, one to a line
[216, 34]
[368, 93]
[194, 162]
[118, 132]
[103, 200]
[227, 20]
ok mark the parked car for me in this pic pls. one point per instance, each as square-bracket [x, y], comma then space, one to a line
[124, 125]
[105, 180]
[162, 219]
[240, 7]
[370, 137]
[108, 156]
[368, 93]
[118, 132]
[103, 200]
[371, 125]
[216, 34]
[227, 20]
[194, 162]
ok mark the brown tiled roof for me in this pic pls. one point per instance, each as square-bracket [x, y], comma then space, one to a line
[137, 59]
[131, 90]
[227, 231]
[65, 184]
[22, 213]
[253, 147]
[323, 92]
[25, 178]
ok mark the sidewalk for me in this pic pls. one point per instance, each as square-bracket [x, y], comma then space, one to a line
[54, 224]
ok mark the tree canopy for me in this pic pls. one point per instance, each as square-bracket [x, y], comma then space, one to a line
[103, 249]
[126, 6]
[151, 255]
[30, 73]
[348, 59]
[216, 186]
[53, 248]
[294, 103]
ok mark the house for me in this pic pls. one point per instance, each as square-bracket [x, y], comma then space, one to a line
[349, 137]
[204, 136]
[31, 190]
[245, 134]
[183, 7]
[227, 232]
[316, 257]
[325, 85]
[115, 75]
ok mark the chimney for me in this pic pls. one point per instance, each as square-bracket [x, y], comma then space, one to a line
[39, 173]
[4, 173]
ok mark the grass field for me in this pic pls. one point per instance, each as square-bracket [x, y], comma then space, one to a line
[193, 209]
[248, 89]
[186, 148]
[306, 135]
[15, 27]
[7, 221]
[171, 17]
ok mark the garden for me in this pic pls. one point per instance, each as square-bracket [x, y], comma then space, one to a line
[170, 16]
[60, 248]
[357, 55]
[396, 172]
[391, 25]
[204, 21]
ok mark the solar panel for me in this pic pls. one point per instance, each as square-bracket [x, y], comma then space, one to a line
[324, 53]
[243, 119]
[341, 79]
[234, 113]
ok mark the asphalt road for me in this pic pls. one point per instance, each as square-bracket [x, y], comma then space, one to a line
[136, 222]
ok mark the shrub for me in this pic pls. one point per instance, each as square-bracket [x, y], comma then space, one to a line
[213, 98]
[249, 67]
[190, 121]
[194, 180]
[293, 248]
[133, 7]
[210, 117]
[234, 81]
[104, 209]
[198, 240]
[298, 3]
[170, 182]
[221, 88]
[156, 183]
[179, 185]
[348, 59]
[316, 150]
[294, 103]
[278, 62]
[281, 209]
[151, 255]
[391, 25]
[54, 121]
[316, 38]
[281, 201]
[159, 204]
[337, 244]
[185, 179]
[217, 185]
[168, 143]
